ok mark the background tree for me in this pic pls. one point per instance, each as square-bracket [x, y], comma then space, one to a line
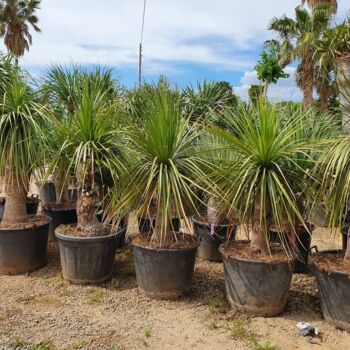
[269, 70]
[314, 3]
[298, 39]
[16, 16]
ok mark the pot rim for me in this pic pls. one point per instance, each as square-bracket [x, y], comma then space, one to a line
[328, 252]
[198, 221]
[250, 261]
[166, 249]
[47, 209]
[312, 228]
[62, 237]
[48, 218]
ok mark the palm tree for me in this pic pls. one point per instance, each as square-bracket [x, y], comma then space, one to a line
[298, 39]
[314, 3]
[15, 18]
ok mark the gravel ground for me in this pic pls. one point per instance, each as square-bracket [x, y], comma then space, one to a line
[42, 311]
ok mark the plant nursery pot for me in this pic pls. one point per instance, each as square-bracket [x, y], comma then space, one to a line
[59, 216]
[23, 250]
[345, 235]
[334, 291]
[47, 192]
[303, 244]
[146, 225]
[32, 205]
[211, 237]
[72, 194]
[164, 273]
[255, 287]
[87, 260]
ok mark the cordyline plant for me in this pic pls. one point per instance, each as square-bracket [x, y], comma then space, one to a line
[166, 165]
[267, 178]
[92, 135]
[22, 144]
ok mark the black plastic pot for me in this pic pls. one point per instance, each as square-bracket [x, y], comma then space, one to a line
[211, 237]
[87, 260]
[164, 273]
[345, 235]
[146, 225]
[255, 287]
[59, 216]
[47, 192]
[302, 249]
[23, 250]
[72, 194]
[32, 205]
[334, 291]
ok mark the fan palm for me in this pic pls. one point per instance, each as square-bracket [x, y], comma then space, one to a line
[22, 124]
[15, 18]
[298, 39]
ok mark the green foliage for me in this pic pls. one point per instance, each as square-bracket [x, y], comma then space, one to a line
[255, 93]
[268, 68]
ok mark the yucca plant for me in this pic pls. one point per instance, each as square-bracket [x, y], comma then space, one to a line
[22, 124]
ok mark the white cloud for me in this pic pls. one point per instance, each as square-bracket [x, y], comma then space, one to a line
[284, 90]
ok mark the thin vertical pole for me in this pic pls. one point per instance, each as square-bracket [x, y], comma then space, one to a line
[140, 64]
[140, 47]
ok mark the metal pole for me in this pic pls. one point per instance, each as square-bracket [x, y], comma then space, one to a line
[140, 48]
[140, 64]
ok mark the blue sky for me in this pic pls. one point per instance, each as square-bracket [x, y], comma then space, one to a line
[185, 40]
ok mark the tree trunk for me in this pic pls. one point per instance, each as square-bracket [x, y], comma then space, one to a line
[343, 77]
[259, 241]
[15, 206]
[162, 230]
[347, 252]
[308, 81]
[88, 223]
[214, 214]
[266, 87]
[324, 100]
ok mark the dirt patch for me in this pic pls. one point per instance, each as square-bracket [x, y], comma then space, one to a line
[60, 206]
[332, 263]
[32, 221]
[73, 231]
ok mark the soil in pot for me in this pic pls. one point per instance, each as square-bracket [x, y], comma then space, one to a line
[146, 225]
[333, 281]
[256, 284]
[165, 273]
[23, 247]
[60, 214]
[301, 245]
[211, 236]
[87, 260]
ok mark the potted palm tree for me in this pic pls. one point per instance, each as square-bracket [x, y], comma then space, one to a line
[91, 135]
[165, 171]
[262, 181]
[23, 238]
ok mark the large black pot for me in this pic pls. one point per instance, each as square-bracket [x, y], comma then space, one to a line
[334, 291]
[164, 273]
[23, 250]
[146, 225]
[256, 287]
[211, 237]
[47, 192]
[32, 204]
[345, 235]
[87, 260]
[59, 216]
[302, 246]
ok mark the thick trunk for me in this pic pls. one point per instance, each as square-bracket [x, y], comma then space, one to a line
[61, 189]
[214, 214]
[88, 223]
[258, 240]
[324, 100]
[347, 253]
[15, 205]
[343, 77]
[308, 81]
[266, 87]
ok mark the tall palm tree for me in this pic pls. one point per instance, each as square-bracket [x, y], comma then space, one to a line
[314, 3]
[297, 40]
[16, 16]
